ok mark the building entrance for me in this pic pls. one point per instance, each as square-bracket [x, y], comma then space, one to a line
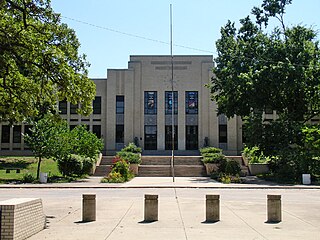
[150, 138]
[192, 138]
[168, 137]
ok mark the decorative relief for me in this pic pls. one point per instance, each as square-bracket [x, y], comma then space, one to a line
[119, 119]
[191, 120]
[150, 119]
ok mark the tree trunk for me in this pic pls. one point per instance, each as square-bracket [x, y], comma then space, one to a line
[38, 169]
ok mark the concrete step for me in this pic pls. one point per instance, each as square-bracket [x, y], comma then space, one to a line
[165, 171]
[166, 160]
[106, 160]
[102, 170]
[154, 171]
[189, 171]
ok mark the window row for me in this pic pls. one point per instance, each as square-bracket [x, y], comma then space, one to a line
[17, 132]
[150, 102]
[63, 106]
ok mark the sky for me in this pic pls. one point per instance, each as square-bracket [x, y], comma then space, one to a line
[111, 30]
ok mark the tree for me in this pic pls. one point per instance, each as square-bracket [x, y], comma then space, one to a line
[43, 137]
[39, 62]
[258, 69]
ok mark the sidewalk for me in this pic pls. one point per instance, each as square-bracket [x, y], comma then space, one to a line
[165, 182]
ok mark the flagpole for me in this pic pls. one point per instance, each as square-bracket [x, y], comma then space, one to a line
[172, 99]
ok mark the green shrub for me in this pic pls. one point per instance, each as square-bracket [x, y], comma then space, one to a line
[210, 150]
[255, 155]
[132, 148]
[113, 177]
[122, 167]
[28, 178]
[217, 158]
[70, 165]
[87, 165]
[130, 157]
[232, 168]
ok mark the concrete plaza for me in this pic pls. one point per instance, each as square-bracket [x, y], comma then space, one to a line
[181, 211]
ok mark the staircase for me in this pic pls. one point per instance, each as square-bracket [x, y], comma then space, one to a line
[160, 166]
[104, 167]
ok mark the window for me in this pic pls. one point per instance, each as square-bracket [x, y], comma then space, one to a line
[27, 129]
[120, 104]
[168, 102]
[119, 133]
[223, 136]
[150, 137]
[73, 108]
[17, 134]
[5, 136]
[96, 129]
[63, 107]
[150, 103]
[191, 102]
[97, 105]
[72, 127]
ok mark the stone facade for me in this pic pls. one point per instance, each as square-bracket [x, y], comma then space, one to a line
[21, 218]
[133, 105]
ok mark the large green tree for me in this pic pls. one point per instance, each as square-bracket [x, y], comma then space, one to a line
[39, 62]
[258, 68]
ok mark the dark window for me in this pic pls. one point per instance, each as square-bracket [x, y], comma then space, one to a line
[168, 137]
[192, 138]
[17, 134]
[119, 133]
[168, 102]
[96, 129]
[63, 107]
[5, 136]
[27, 129]
[97, 105]
[150, 137]
[72, 126]
[223, 134]
[150, 102]
[191, 102]
[73, 108]
[120, 104]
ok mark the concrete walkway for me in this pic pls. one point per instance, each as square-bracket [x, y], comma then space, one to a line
[164, 182]
[120, 209]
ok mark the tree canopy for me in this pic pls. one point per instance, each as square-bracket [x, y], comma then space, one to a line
[279, 69]
[39, 62]
[256, 70]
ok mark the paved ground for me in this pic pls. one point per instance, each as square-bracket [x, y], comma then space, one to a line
[181, 211]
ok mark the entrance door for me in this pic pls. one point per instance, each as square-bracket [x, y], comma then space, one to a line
[192, 138]
[150, 138]
[168, 137]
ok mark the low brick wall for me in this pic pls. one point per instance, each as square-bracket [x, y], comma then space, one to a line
[21, 218]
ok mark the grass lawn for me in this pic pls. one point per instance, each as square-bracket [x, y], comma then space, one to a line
[28, 165]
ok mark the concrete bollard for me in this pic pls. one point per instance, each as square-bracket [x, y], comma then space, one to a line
[88, 207]
[212, 208]
[150, 208]
[274, 208]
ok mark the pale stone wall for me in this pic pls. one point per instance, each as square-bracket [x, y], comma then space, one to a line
[153, 73]
[21, 218]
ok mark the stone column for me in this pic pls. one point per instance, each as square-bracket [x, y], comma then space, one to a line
[274, 208]
[212, 208]
[150, 208]
[88, 207]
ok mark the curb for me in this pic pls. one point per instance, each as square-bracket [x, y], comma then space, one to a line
[165, 187]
